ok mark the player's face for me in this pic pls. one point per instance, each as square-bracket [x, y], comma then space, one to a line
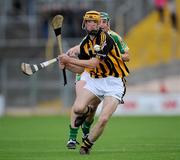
[91, 25]
[104, 25]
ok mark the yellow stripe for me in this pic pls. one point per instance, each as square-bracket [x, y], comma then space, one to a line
[86, 48]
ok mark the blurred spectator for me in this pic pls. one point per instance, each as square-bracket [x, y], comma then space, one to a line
[160, 5]
[17, 7]
[45, 27]
[173, 13]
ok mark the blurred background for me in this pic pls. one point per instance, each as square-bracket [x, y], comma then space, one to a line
[149, 27]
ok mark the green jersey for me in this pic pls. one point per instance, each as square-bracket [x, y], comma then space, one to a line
[119, 41]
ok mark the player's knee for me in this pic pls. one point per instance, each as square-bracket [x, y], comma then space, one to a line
[103, 120]
[78, 109]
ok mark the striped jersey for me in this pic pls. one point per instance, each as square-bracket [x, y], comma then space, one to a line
[110, 63]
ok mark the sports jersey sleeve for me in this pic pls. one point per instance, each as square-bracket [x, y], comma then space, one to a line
[120, 42]
[125, 48]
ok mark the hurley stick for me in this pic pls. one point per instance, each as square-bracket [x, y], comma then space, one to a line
[57, 24]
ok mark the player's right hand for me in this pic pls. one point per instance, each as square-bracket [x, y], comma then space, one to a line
[61, 63]
[63, 59]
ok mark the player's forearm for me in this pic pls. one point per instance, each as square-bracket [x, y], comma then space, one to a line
[74, 68]
[74, 51]
[91, 63]
[77, 48]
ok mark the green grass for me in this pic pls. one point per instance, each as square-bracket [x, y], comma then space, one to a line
[125, 138]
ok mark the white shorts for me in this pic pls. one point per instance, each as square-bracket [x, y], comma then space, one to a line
[109, 86]
[85, 76]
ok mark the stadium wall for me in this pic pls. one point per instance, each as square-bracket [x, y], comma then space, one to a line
[148, 104]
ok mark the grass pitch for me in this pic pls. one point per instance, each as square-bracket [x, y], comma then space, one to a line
[125, 138]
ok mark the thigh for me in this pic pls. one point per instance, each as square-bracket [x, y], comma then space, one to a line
[83, 98]
[109, 106]
[79, 85]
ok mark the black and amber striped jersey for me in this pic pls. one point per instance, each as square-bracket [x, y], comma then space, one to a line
[111, 63]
